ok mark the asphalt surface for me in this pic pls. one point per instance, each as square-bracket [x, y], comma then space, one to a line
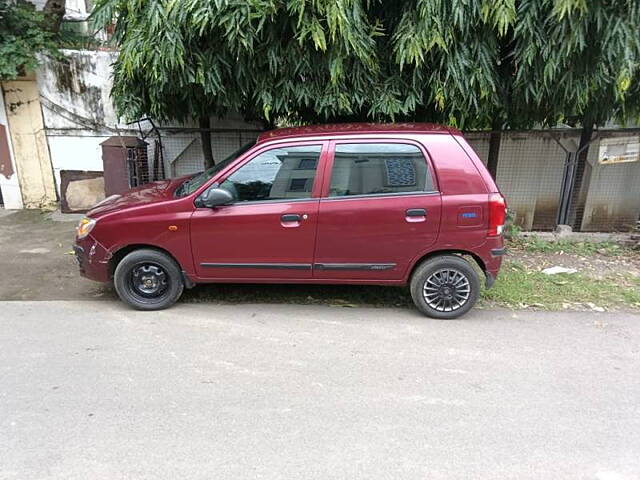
[92, 390]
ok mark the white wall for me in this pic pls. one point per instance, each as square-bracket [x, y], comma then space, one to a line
[79, 115]
[75, 153]
[77, 110]
[75, 92]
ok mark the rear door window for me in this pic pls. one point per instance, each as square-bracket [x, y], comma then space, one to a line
[378, 169]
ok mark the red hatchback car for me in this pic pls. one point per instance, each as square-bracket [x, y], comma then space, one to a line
[398, 204]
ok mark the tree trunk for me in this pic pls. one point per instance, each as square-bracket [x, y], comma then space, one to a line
[205, 139]
[494, 151]
[582, 176]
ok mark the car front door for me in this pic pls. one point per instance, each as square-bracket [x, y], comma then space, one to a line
[380, 209]
[268, 232]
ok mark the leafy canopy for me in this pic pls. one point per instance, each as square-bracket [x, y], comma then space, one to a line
[473, 63]
[22, 37]
[580, 59]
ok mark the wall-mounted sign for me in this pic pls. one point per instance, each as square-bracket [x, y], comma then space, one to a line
[619, 150]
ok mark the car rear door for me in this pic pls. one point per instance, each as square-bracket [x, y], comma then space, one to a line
[380, 208]
[269, 232]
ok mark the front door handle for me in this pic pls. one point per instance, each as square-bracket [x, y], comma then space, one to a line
[416, 212]
[291, 217]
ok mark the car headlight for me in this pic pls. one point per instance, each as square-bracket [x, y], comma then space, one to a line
[84, 227]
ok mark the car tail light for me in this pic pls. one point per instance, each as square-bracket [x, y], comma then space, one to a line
[497, 214]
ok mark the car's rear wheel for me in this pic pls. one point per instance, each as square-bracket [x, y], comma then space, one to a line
[148, 280]
[445, 287]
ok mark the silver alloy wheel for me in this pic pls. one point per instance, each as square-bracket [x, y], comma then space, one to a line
[446, 290]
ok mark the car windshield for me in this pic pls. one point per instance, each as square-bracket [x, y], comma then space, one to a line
[191, 184]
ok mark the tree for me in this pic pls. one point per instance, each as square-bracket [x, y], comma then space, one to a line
[461, 52]
[189, 59]
[22, 37]
[587, 74]
[578, 60]
[532, 62]
[474, 64]
[322, 60]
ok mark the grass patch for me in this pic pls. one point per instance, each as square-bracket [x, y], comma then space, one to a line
[535, 244]
[517, 287]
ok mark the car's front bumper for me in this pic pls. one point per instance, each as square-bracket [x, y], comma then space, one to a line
[92, 259]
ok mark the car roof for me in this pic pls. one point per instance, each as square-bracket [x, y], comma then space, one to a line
[341, 129]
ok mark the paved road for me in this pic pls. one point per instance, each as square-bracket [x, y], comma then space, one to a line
[91, 390]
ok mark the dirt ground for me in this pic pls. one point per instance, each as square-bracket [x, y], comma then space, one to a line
[597, 265]
[36, 259]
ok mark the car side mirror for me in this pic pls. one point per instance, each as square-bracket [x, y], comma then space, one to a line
[214, 197]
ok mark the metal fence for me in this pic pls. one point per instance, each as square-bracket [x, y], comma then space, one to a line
[534, 168]
[159, 153]
[181, 149]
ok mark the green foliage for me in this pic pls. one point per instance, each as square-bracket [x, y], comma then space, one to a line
[471, 63]
[500, 13]
[578, 59]
[266, 58]
[21, 38]
[448, 51]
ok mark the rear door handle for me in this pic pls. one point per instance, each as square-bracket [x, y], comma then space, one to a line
[416, 212]
[291, 217]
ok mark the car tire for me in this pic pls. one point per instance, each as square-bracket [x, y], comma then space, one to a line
[445, 287]
[148, 279]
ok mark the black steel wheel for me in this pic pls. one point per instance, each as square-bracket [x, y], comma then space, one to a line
[445, 287]
[148, 280]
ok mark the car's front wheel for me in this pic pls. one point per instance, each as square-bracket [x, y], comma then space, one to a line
[148, 280]
[445, 287]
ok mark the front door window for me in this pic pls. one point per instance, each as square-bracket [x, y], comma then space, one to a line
[277, 174]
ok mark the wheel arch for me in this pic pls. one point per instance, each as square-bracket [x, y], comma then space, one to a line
[457, 252]
[121, 252]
